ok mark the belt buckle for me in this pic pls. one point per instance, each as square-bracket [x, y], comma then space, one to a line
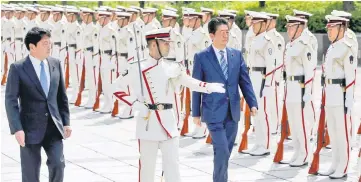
[292, 78]
[160, 107]
[329, 81]
[302, 85]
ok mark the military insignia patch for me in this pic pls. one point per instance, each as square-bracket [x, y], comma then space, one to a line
[206, 43]
[309, 56]
[62, 31]
[78, 33]
[351, 59]
[24, 28]
[119, 30]
[179, 44]
[113, 36]
[279, 46]
[95, 35]
[270, 51]
[131, 39]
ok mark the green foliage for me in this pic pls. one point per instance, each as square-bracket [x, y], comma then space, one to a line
[316, 23]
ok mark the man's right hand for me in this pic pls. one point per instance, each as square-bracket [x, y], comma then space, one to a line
[197, 121]
[20, 137]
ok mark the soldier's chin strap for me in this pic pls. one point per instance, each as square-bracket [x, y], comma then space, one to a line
[338, 33]
[294, 35]
[259, 30]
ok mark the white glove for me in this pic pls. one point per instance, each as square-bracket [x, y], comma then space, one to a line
[215, 87]
[307, 97]
[141, 108]
[267, 91]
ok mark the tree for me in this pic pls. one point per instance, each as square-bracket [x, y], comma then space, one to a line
[348, 5]
[262, 4]
[141, 4]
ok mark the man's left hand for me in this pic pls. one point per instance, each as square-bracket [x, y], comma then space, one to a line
[67, 131]
[253, 111]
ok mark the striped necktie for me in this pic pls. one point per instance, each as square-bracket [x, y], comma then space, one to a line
[44, 79]
[224, 65]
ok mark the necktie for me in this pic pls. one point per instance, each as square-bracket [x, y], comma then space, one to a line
[43, 79]
[224, 65]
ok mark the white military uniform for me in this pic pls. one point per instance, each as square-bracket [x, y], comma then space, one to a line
[59, 43]
[198, 41]
[299, 70]
[340, 74]
[8, 34]
[160, 80]
[90, 41]
[20, 28]
[262, 55]
[107, 41]
[73, 40]
[275, 102]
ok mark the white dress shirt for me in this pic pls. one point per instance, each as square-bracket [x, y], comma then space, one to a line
[37, 68]
[219, 54]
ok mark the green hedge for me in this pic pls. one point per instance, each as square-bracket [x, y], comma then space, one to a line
[316, 23]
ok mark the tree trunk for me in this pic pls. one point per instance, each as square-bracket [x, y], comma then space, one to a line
[141, 4]
[100, 3]
[348, 5]
[262, 4]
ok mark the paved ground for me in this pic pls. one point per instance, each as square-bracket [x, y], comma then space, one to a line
[104, 149]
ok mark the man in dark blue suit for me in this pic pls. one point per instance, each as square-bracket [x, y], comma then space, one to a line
[221, 112]
[42, 118]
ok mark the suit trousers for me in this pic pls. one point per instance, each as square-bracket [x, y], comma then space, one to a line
[31, 156]
[223, 135]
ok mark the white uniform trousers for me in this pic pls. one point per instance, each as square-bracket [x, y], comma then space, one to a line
[19, 50]
[125, 111]
[338, 129]
[74, 74]
[262, 119]
[90, 78]
[299, 132]
[273, 106]
[108, 77]
[170, 159]
[63, 53]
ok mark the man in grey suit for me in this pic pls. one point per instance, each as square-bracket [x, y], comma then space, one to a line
[42, 118]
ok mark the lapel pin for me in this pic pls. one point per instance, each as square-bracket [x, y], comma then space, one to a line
[53, 68]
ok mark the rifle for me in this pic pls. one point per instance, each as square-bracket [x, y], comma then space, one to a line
[115, 110]
[284, 134]
[99, 90]
[67, 71]
[247, 125]
[4, 77]
[320, 133]
[82, 85]
[186, 95]
[359, 130]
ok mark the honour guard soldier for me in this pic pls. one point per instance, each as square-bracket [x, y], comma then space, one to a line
[262, 58]
[20, 28]
[73, 36]
[125, 46]
[148, 20]
[279, 42]
[249, 35]
[154, 17]
[107, 42]
[154, 101]
[8, 41]
[186, 30]
[340, 74]
[208, 13]
[85, 63]
[44, 18]
[176, 26]
[31, 18]
[198, 41]
[352, 39]
[138, 24]
[299, 75]
[235, 33]
[310, 115]
[58, 37]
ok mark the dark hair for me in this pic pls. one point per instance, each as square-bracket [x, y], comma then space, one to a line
[214, 23]
[34, 35]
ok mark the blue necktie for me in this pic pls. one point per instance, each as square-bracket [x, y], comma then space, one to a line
[224, 65]
[43, 79]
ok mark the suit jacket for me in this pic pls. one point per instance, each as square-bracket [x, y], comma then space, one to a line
[35, 109]
[214, 107]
